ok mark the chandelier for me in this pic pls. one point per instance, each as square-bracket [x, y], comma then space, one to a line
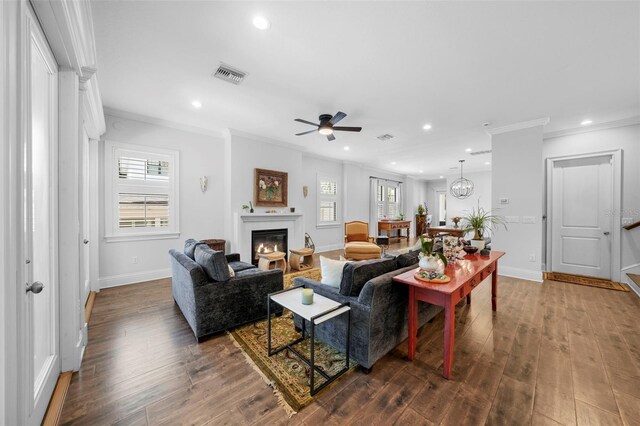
[461, 188]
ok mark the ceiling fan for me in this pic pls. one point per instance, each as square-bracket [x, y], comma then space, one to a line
[328, 125]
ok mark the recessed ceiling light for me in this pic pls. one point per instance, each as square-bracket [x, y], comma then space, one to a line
[393, 163]
[427, 127]
[346, 148]
[586, 122]
[196, 104]
[261, 23]
[421, 171]
[441, 177]
[468, 150]
[486, 163]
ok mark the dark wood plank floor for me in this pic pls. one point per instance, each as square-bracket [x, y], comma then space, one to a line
[554, 353]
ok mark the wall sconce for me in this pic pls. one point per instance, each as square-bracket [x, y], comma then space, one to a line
[305, 191]
[204, 183]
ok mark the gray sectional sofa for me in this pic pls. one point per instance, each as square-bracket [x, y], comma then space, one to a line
[379, 307]
[210, 299]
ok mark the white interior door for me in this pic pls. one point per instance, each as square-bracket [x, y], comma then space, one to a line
[581, 219]
[86, 222]
[41, 349]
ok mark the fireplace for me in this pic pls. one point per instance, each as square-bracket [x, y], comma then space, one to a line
[268, 241]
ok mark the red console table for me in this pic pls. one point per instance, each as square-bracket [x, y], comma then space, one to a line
[465, 276]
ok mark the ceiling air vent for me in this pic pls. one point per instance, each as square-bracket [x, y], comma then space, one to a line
[386, 137]
[229, 74]
[487, 151]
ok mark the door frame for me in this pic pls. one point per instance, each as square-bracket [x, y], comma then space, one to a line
[616, 170]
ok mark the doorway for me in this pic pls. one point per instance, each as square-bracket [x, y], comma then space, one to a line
[39, 198]
[441, 204]
[583, 230]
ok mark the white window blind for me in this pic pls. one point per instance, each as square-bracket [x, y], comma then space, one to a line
[141, 192]
[388, 196]
[328, 202]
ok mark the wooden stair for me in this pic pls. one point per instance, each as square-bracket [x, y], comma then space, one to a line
[635, 278]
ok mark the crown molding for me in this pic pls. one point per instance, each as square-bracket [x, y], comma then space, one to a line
[263, 139]
[629, 121]
[518, 126]
[113, 112]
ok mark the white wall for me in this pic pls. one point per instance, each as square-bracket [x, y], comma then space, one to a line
[201, 214]
[517, 174]
[481, 193]
[628, 139]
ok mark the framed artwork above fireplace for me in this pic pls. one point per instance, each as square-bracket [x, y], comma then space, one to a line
[270, 188]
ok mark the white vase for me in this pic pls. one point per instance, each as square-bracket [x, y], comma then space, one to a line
[428, 263]
[478, 243]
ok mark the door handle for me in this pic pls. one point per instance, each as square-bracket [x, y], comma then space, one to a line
[35, 288]
[606, 233]
[86, 241]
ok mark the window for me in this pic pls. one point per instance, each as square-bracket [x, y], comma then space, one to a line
[328, 202]
[141, 197]
[388, 200]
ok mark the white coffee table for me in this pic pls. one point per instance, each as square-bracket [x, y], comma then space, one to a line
[322, 309]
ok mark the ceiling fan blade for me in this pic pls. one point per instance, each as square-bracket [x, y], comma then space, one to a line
[331, 138]
[306, 122]
[347, 129]
[306, 133]
[339, 116]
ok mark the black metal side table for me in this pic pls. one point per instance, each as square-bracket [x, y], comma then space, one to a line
[322, 309]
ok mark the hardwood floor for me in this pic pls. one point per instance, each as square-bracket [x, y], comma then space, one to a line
[553, 353]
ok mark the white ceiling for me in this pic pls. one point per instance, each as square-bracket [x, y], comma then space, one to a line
[391, 66]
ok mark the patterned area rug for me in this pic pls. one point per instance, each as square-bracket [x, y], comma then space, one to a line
[284, 371]
[588, 281]
[314, 274]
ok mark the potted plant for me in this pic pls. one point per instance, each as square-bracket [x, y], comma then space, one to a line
[479, 221]
[421, 209]
[429, 257]
[401, 215]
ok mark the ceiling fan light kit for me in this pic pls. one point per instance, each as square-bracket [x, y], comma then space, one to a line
[328, 125]
[462, 187]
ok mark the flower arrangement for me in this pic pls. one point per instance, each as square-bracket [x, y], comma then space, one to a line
[456, 220]
[429, 257]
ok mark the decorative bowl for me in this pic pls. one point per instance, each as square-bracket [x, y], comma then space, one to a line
[470, 249]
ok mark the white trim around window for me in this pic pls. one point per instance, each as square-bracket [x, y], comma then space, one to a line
[328, 207]
[141, 192]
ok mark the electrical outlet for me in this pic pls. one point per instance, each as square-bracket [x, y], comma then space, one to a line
[504, 201]
[532, 258]
[528, 219]
[134, 259]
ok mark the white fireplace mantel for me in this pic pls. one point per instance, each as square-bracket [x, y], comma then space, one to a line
[245, 223]
[269, 217]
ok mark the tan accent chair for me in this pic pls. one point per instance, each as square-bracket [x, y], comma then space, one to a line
[358, 244]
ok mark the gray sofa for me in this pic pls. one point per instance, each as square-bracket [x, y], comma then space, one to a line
[209, 298]
[379, 308]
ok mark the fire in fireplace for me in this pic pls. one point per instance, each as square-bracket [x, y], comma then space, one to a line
[268, 241]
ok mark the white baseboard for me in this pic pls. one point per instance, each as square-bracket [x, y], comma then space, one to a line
[136, 277]
[523, 274]
[329, 247]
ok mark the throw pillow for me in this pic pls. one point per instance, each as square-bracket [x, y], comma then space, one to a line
[213, 262]
[331, 271]
[190, 248]
[232, 273]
